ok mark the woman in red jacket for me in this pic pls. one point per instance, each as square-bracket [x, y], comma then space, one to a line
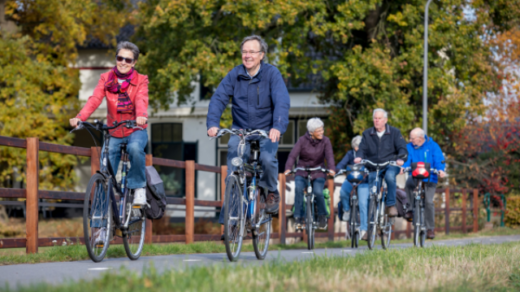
[126, 92]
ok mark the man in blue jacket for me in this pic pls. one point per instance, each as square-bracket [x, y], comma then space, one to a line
[260, 100]
[423, 149]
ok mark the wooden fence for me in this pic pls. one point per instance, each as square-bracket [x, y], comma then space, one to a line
[33, 194]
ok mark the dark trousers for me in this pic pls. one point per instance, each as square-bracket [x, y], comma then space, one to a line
[317, 189]
[429, 208]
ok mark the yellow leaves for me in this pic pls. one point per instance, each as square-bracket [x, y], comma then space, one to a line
[397, 18]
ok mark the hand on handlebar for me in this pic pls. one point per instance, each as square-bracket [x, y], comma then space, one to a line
[399, 162]
[357, 160]
[331, 172]
[141, 121]
[287, 172]
[442, 174]
[74, 122]
[212, 132]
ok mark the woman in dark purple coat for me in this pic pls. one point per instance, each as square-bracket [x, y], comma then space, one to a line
[312, 149]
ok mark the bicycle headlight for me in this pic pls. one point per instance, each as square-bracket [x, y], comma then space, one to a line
[237, 161]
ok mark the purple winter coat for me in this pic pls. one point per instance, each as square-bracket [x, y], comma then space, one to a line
[312, 153]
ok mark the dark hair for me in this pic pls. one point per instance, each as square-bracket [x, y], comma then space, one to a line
[128, 46]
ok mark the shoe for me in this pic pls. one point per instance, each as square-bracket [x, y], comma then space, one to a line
[100, 234]
[139, 197]
[298, 223]
[363, 234]
[430, 234]
[273, 203]
[322, 222]
[408, 216]
[391, 211]
[346, 216]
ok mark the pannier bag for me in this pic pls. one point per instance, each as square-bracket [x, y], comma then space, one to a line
[155, 196]
[326, 197]
[401, 202]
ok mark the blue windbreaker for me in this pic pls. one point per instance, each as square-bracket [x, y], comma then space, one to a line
[261, 102]
[429, 152]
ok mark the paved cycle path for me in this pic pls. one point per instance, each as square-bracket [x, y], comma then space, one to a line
[59, 272]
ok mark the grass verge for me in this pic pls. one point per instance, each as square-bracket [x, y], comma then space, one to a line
[473, 267]
[78, 252]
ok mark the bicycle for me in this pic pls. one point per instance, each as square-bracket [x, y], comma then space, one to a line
[355, 176]
[245, 201]
[378, 219]
[419, 173]
[311, 218]
[101, 207]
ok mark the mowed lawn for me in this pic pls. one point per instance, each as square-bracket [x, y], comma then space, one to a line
[473, 267]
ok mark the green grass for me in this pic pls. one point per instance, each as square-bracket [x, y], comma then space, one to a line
[79, 252]
[468, 268]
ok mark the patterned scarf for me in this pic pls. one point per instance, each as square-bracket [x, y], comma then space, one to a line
[124, 104]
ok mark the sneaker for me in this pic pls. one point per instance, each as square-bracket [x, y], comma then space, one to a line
[346, 216]
[273, 200]
[322, 221]
[391, 211]
[100, 235]
[139, 197]
[298, 223]
[363, 235]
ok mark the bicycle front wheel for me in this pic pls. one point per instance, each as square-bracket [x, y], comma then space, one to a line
[133, 237]
[372, 222]
[262, 234]
[310, 225]
[386, 231]
[354, 234]
[97, 213]
[234, 218]
[416, 224]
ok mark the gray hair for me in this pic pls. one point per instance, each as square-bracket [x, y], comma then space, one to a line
[381, 111]
[314, 124]
[260, 40]
[356, 141]
[128, 46]
[418, 132]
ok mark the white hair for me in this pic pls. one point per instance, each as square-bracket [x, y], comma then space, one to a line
[381, 111]
[418, 132]
[314, 124]
[356, 141]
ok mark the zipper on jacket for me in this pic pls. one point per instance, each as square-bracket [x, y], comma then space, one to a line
[258, 95]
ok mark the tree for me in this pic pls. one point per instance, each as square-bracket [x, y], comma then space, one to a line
[38, 86]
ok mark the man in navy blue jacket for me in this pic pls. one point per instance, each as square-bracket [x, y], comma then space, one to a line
[260, 100]
[423, 149]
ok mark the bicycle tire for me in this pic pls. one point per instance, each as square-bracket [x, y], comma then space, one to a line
[386, 232]
[233, 225]
[416, 224]
[96, 198]
[353, 226]
[372, 222]
[423, 230]
[262, 236]
[309, 226]
[133, 237]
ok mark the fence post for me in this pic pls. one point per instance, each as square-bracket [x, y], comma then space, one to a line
[95, 153]
[330, 185]
[447, 211]
[464, 194]
[149, 225]
[223, 175]
[190, 201]
[475, 210]
[282, 222]
[31, 223]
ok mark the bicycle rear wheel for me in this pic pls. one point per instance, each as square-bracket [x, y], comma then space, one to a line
[416, 224]
[97, 213]
[310, 225]
[262, 234]
[386, 231]
[354, 234]
[234, 218]
[422, 236]
[133, 237]
[372, 222]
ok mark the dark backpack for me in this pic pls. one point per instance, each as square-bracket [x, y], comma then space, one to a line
[155, 196]
[401, 202]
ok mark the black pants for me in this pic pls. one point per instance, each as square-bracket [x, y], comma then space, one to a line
[429, 208]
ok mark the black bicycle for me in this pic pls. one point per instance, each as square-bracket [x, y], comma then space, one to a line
[311, 218]
[419, 173]
[355, 175]
[244, 201]
[108, 203]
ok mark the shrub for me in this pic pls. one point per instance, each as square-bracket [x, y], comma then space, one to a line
[512, 216]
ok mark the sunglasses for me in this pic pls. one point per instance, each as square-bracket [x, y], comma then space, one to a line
[127, 60]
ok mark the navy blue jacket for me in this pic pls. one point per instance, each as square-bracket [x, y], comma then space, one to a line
[261, 102]
[390, 147]
[347, 160]
[428, 152]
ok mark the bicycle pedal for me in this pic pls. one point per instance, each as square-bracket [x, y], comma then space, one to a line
[100, 245]
[136, 207]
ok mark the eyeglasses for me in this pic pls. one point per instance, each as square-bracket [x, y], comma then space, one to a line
[127, 60]
[250, 52]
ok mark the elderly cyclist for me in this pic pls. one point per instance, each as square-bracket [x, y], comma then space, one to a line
[346, 190]
[423, 149]
[260, 101]
[312, 149]
[381, 144]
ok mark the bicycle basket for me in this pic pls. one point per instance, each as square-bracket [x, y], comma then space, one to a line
[355, 175]
[421, 170]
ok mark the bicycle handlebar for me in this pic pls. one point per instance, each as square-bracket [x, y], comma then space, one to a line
[365, 161]
[433, 170]
[240, 132]
[130, 124]
[308, 169]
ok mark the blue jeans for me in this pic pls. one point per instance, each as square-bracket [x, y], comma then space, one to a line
[363, 198]
[388, 173]
[317, 189]
[267, 159]
[136, 143]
